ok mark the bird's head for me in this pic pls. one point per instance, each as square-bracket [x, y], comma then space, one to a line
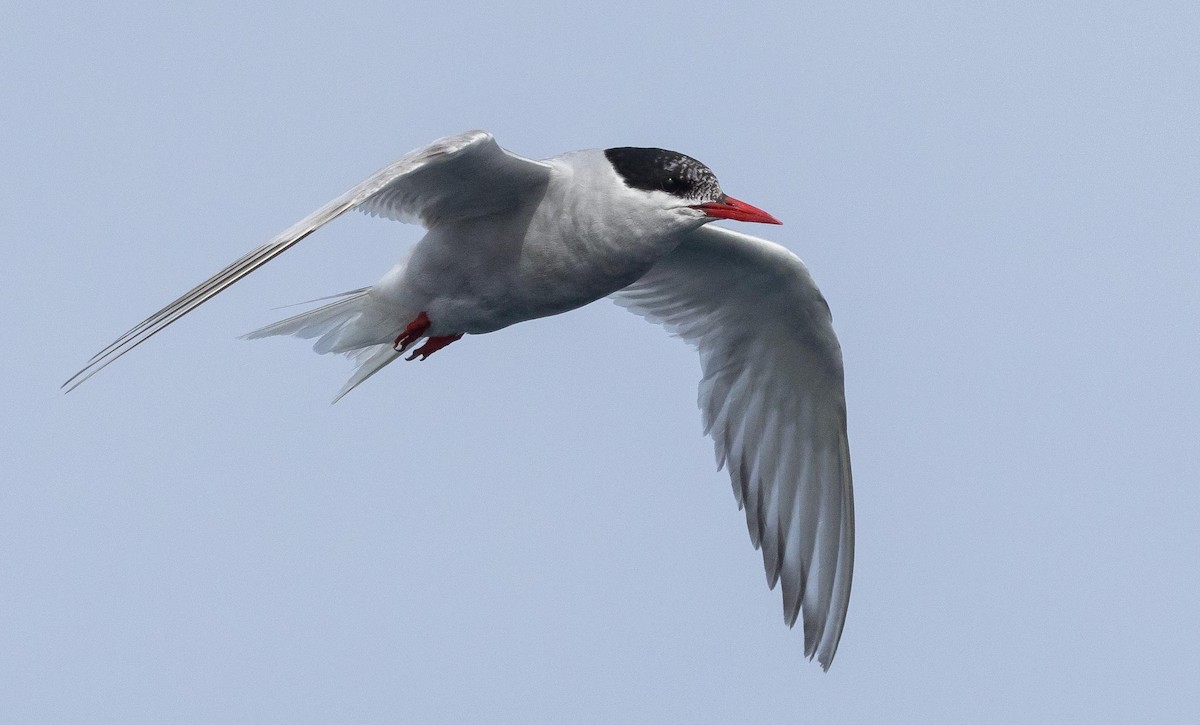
[680, 186]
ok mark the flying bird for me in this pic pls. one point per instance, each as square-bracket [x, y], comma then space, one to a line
[512, 239]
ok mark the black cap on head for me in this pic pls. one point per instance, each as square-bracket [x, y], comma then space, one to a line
[652, 169]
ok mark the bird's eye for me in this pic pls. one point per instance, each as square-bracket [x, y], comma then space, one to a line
[672, 183]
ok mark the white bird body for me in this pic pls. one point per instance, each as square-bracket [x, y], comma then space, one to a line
[510, 239]
[557, 251]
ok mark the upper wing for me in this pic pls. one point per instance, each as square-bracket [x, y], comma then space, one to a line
[456, 177]
[773, 401]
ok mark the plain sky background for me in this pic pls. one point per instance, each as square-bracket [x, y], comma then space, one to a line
[1001, 202]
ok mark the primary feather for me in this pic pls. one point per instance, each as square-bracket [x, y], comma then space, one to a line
[771, 397]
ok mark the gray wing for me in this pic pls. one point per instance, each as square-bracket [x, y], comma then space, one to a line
[773, 400]
[453, 178]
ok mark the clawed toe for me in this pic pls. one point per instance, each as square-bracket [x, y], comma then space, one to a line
[412, 332]
[432, 345]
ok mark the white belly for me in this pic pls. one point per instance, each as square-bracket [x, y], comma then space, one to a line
[481, 275]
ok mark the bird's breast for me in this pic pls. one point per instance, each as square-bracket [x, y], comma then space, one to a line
[491, 273]
[569, 260]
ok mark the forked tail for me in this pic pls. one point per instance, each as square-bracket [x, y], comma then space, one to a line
[351, 325]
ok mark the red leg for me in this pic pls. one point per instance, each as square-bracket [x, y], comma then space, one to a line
[432, 345]
[411, 333]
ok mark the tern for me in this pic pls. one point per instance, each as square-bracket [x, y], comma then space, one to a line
[511, 239]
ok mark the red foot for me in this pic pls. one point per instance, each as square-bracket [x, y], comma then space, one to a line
[432, 345]
[412, 333]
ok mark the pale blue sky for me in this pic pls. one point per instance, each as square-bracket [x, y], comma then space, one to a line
[998, 199]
